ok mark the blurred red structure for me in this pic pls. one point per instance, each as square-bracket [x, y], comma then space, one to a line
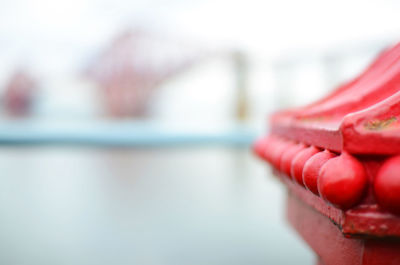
[134, 65]
[346, 201]
[19, 94]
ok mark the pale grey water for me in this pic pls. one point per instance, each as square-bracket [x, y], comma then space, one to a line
[154, 206]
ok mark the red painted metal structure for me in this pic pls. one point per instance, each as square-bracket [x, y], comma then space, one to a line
[340, 159]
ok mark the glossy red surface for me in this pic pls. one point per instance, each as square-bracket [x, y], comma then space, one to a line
[276, 151]
[342, 181]
[360, 117]
[311, 170]
[387, 185]
[349, 212]
[260, 146]
[365, 220]
[288, 156]
[299, 161]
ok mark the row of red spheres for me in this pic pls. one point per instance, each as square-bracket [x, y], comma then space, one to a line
[340, 180]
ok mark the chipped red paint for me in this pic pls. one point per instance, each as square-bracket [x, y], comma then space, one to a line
[365, 110]
[332, 247]
[341, 157]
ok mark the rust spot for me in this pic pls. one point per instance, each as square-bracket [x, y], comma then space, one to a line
[377, 125]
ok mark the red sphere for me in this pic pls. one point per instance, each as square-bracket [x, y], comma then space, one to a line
[288, 156]
[312, 167]
[299, 161]
[342, 181]
[276, 150]
[387, 185]
[260, 146]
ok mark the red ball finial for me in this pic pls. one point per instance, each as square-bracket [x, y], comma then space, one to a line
[260, 146]
[287, 157]
[276, 151]
[342, 181]
[387, 185]
[299, 161]
[312, 167]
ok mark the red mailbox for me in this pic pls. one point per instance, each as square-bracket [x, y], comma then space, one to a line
[340, 160]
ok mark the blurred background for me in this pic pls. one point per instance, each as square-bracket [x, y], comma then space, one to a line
[125, 126]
